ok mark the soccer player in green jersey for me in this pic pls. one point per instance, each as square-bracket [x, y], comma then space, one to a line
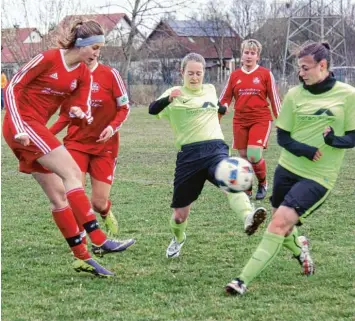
[315, 126]
[192, 110]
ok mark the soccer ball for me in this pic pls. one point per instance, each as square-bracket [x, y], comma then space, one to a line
[234, 174]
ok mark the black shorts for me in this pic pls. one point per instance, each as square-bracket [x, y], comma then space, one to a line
[195, 164]
[302, 194]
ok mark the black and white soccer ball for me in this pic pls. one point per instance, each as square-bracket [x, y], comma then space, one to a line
[234, 174]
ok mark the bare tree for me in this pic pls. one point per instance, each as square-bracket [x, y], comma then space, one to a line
[143, 14]
[248, 15]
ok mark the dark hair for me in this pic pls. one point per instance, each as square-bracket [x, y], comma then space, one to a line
[80, 29]
[319, 51]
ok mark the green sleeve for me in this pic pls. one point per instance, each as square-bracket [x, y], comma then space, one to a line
[350, 112]
[285, 120]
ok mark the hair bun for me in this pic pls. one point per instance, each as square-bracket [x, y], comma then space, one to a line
[326, 45]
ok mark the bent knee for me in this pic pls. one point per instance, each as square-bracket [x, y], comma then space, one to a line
[99, 204]
[254, 154]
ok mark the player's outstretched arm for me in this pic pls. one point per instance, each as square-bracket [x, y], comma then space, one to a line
[158, 105]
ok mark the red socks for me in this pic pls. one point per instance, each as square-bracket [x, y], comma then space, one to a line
[65, 220]
[260, 170]
[84, 215]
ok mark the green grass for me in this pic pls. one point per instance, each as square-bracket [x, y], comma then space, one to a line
[39, 284]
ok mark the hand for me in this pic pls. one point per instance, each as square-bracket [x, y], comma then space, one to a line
[317, 156]
[175, 93]
[23, 139]
[227, 110]
[105, 135]
[327, 130]
[76, 112]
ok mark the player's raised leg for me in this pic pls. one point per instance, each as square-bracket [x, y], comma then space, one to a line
[64, 218]
[79, 202]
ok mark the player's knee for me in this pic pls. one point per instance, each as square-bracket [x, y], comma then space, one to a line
[58, 200]
[99, 204]
[254, 154]
[279, 225]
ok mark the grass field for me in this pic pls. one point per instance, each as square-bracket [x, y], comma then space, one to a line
[38, 282]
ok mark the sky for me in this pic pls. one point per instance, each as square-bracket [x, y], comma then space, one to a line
[39, 13]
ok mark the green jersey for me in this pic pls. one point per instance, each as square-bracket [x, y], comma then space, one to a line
[193, 115]
[306, 116]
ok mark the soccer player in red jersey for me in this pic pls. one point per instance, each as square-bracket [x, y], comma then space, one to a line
[32, 97]
[95, 148]
[252, 86]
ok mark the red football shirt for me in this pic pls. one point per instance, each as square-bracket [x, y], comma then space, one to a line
[250, 91]
[109, 107]
[38, 89]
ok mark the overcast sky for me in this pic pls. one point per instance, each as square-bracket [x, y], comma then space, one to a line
[39, 13]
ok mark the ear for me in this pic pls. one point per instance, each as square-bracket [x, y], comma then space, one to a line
[323, 64]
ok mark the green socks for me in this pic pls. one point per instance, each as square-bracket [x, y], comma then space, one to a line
[291, 242]
[240, 204]
[178, 229]
[267, 250]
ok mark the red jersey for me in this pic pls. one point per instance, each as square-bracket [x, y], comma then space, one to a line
[109, 107]
[250, 91]
[38, 89]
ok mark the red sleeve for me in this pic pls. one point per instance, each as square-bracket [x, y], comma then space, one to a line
[82, 95]
[62, 122]
[227, 93]
[273, 94]
[120, 95]
[17, 84]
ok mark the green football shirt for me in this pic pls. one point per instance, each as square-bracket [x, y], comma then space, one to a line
[193, 116]
[306, 116]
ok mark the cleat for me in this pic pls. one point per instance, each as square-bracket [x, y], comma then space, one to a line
[305, 259]
[236, 287]
[254, 220]
[92, 267]
[112, 246]
[261, 193]
[174, 247]
[111, 223]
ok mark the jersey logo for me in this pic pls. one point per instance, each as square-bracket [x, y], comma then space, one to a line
[208, 104]
[54, 76]
[323, 111]
[73, 84]
[184, 101]
[95, 87]
[256, 80]
[239, 81]
[259, 141]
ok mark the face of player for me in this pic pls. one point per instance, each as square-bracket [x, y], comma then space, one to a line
[250, 58]
[193, 75]
[310, 71]
[89, 54]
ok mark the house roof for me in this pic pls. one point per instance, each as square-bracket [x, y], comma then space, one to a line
[195, 28]
[13, 48]
[192, 36]
[107, 21]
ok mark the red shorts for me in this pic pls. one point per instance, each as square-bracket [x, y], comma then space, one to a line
[256, 134]
[101, 167]
[42, 142]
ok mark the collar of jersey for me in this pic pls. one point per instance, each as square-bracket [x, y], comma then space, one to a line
[193, 92]
[249, 72]
[321, 87]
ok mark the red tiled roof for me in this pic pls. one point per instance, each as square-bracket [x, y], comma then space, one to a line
[13, 48]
